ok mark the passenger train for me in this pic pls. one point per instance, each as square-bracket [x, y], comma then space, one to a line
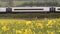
[28, 9]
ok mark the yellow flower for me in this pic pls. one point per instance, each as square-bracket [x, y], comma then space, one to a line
[50, 26]
[51, 22]
[53, 32]
[27, 31]
[28, 22]
[58, 30]
[34, 33]
[18, 32]
[4, 28]
[40, 25]
[50, 32]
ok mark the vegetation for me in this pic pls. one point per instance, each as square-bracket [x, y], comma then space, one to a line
[37, 26]
[30, 15]
[22, 3]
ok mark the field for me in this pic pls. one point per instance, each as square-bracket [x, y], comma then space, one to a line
[37, 26]
[41, 24]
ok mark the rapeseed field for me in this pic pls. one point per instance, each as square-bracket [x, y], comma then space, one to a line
[37, 26]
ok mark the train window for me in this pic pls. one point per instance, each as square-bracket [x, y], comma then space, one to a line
[58, 8]
[28, 9]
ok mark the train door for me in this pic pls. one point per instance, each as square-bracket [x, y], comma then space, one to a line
[8, 10]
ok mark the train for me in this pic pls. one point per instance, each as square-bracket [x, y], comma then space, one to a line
[28, 9]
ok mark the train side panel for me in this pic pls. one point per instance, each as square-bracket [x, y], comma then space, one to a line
[2, 9]
[31, 9]
[57, 9]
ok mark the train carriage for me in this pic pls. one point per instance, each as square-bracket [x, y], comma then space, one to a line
[28, 9]
[57, 9]
[2, 9]
[31, 9]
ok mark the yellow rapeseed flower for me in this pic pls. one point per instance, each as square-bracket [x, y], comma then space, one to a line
[51, 22]
[18, 32]
[27, 31]
[4, 28]
[34, 33]
[28, 22]
[40, 25]
[50, 32]
[58, 30]
[50, 26]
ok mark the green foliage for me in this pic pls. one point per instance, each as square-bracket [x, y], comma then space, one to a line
[22, 3]
[30, 15]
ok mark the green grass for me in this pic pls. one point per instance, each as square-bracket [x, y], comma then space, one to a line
[31, 15]
[15, 3]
